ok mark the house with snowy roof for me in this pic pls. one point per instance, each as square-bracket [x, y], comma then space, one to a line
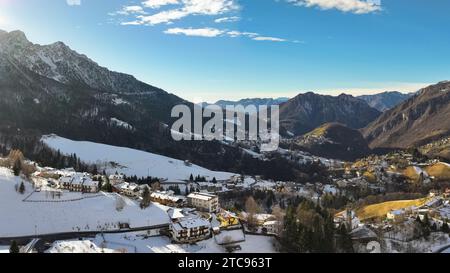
[79, 182]
[190, 229]
[168, 198]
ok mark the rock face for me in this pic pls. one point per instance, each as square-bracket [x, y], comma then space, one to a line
[53, 89]
[308, 111]
[386, 100]
[58, 62]
[423, 118]
[334, 140]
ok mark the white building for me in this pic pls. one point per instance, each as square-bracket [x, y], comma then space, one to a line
[190, 229]
[128, 189]
[167, 198]
[271, 227]
[115, 179]
[79, 182]
[203, 201]
[396, 215]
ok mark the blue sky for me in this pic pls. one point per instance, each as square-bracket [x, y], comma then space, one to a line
[204, 50]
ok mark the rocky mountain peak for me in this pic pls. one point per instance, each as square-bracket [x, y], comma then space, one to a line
[13, 39]
[59, 62]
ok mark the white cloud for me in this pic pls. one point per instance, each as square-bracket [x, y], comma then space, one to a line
[214, 32]
[166, 16]
[353, 6]
[73, 2]
[133, 9]
[131, 23]
[271, 39]
[128, 10]
[235, 33]
[199, 32]
[155, 4]
[186, 8]
[227, 19]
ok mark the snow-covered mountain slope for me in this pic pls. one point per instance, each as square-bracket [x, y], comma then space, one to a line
[58, 62]
[95, 213]
[130, 161]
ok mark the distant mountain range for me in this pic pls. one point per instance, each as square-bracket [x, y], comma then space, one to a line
[386, 100]
[308, 111]
[423, 118]
[254, 101]
[53, 89]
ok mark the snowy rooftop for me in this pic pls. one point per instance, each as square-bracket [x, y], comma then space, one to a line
[191, 222]
[167, 196]
[202, 196]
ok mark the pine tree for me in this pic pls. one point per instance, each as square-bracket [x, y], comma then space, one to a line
[445, 227]
[191, 178]
[426, 220]
[22, 188]
[214, 180]
[345, 239]
[14, 248]
[434, 227]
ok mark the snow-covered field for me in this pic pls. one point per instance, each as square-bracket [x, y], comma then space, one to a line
[132, 162]
[4, 249]
[84, 246]
[20, 218]
[136, 243]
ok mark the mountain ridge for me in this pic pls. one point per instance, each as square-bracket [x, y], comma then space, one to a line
[423, 118]
[385, 100]
[308, 111]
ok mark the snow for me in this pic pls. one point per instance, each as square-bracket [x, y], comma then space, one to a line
[419, 171]
[252, 153]
[119, 101]
[84, 246]
[121, 123]
[330, 189]
[130, 161]
[36, 101]
[230, 237]
[4, 249]
[98, 213]
[137, 242]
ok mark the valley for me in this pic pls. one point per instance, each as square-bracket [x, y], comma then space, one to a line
[88, 164]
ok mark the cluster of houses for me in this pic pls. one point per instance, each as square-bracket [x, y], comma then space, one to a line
[79, 182]
[437, 209]
[194, 217]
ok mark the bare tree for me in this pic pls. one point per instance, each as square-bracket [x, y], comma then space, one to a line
[279, 216]
[252, 208]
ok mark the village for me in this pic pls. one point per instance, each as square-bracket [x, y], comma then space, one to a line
[370, 198]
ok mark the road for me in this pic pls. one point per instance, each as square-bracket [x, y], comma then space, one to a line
[43, 241]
